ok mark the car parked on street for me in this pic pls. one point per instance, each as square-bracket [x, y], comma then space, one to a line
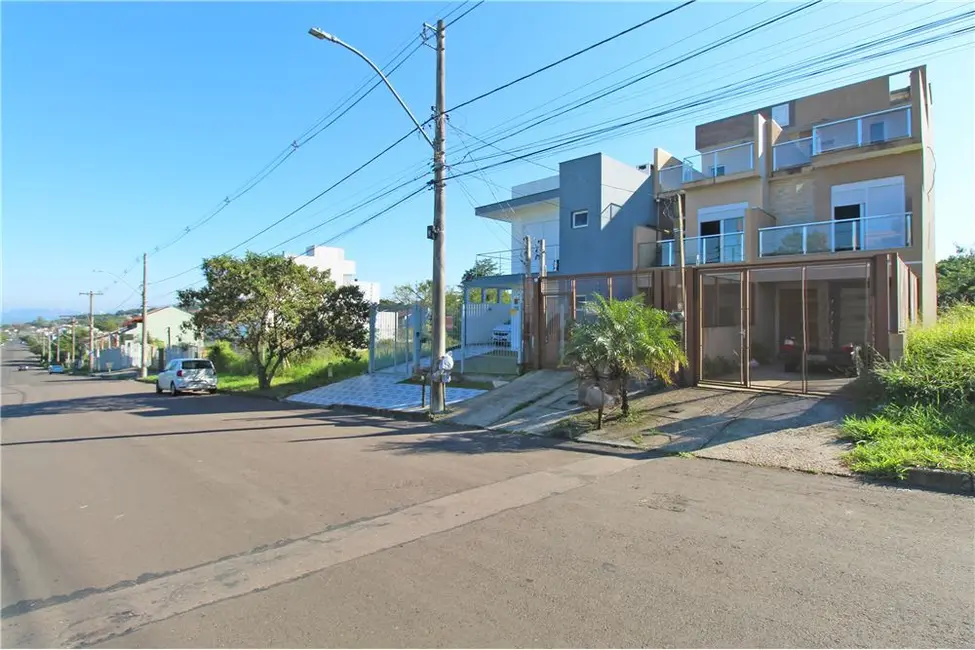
[186, 375]
[55, 369]
[22, 368]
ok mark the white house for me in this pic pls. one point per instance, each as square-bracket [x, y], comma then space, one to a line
[163, 324]
[342, 271]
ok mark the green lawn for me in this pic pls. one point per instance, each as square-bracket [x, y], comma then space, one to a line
[926, 411]
[318, 371]
[897, 438]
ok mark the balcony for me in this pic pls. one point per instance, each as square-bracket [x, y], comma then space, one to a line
[719, 162]
[509, 262]
[710, 249]
[792, 153]
[671, 178]
[866, 234]
[883, 126]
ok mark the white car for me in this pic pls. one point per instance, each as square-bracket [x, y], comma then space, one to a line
[184, 375]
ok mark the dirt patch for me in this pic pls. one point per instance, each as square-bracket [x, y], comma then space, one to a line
[798, 432]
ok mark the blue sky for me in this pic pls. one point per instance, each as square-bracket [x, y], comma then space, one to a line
[124, 123]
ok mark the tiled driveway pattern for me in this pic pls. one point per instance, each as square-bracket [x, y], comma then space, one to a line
[379, 390]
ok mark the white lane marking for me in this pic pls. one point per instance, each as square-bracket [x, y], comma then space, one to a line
[102, 615]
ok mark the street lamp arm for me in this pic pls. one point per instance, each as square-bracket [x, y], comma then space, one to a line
[325, 36]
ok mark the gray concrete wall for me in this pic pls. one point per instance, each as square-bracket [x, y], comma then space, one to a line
[596, 183]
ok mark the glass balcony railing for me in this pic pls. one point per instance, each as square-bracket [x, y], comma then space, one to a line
[710, 249]
[513, 261]
[864, 234]
[792, 153]
[671, 178]
[720, 162]
[883, 126]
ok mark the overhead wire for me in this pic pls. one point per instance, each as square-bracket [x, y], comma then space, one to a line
[466, 103]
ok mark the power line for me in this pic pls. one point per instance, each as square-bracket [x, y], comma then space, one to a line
[475, 6]
[746, 87]
[572, 56]
[593, 97]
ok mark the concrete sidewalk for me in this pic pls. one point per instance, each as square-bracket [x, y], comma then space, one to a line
[486, 411]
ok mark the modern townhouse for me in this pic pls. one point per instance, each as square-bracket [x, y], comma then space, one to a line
[808, 236]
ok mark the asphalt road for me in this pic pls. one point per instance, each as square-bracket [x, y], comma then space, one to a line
[136, 520]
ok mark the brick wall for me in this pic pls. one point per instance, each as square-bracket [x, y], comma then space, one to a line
[791, 200]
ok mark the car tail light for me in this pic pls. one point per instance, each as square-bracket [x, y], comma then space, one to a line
[179, 373]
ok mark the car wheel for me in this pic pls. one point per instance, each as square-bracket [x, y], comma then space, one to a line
[172, 390]
[158, 388]
[212, 390]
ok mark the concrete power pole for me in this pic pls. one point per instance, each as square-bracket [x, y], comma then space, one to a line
[439, 244]
[73, 344]
[91, 327]
[143, 370]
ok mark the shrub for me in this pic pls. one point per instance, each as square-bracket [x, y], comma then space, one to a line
[938, 366]
[226, 360]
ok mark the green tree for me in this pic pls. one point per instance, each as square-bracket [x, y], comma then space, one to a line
[484, 267]
[956, 278]
[621, 340]
[108, 322]
[274, 309]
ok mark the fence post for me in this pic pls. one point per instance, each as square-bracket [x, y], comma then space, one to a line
[372, 338]
[463, 329]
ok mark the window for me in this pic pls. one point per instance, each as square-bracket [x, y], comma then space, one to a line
[197, 364]
[716, 170]
[580, 218]
[581, 303]
[781, 115]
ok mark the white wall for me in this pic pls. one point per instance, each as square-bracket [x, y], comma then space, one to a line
[341, 270]
[369, 289]
[533, 187]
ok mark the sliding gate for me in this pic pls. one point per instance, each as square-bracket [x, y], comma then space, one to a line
[800, 328]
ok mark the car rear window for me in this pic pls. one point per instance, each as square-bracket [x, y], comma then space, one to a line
[197, 364]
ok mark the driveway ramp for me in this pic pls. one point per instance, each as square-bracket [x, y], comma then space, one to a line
[496, 405]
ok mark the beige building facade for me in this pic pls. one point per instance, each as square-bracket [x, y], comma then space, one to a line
[843, 173]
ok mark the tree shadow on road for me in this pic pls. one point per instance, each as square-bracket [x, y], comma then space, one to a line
[492, 442]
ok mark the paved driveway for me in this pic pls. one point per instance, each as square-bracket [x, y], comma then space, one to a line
[136, 520]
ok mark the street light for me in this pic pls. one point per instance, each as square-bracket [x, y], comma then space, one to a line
[325, 36]
[436, 232]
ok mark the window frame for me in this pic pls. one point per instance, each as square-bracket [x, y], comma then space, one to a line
[573, 216]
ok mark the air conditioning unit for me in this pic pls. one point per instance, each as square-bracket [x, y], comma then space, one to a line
[644, 167]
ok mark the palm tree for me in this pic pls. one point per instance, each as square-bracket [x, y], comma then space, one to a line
[621, 340]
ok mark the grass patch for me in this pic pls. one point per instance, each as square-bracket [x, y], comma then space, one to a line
[924, 409]
[920, 435]
[320, 370]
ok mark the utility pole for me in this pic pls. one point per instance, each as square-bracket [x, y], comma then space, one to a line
[71, 351]
[143, 370]
[435, 231]
[91, 327]
[439, 243]
[57, 354]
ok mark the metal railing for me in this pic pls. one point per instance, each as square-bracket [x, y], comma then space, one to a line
[864, 234]
[671, 178]
[719, 162]
[507, 262]
[882, 126]
[709, 249]
[791, 153]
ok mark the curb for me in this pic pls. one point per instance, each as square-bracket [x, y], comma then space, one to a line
[940, 480]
